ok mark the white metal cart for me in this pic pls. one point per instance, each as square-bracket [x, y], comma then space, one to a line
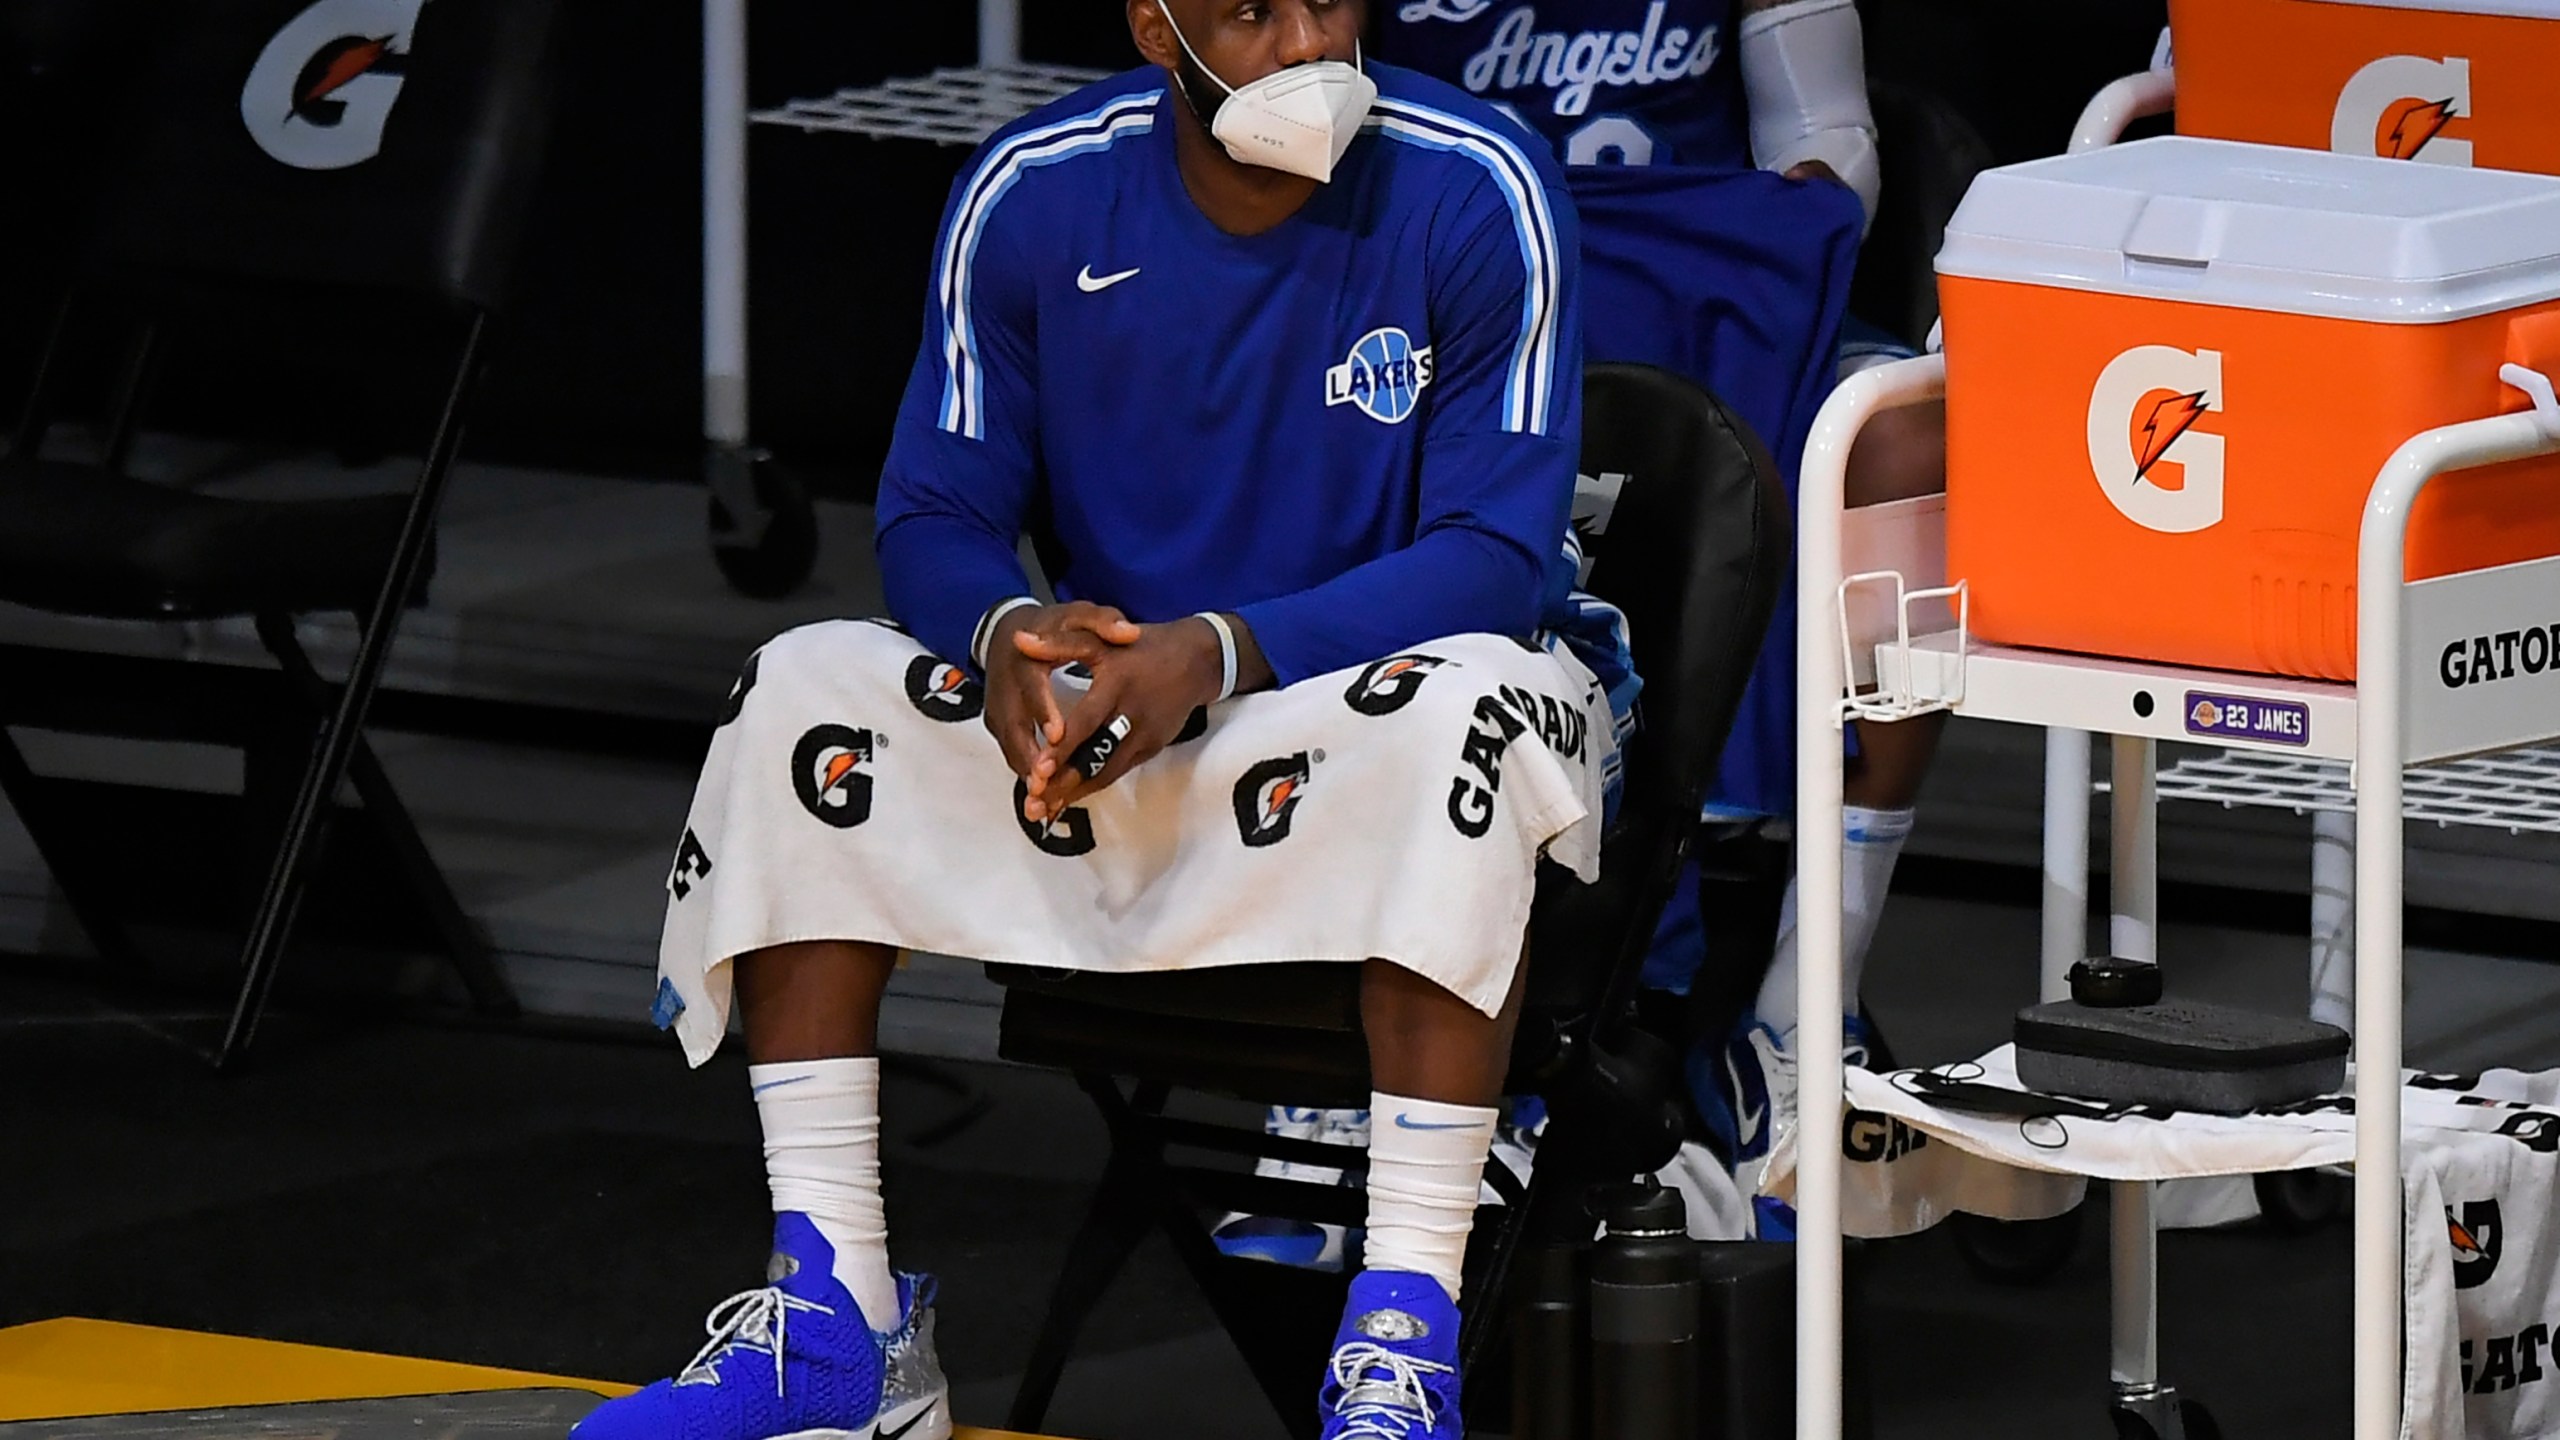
[2395, 716]
[763, 531]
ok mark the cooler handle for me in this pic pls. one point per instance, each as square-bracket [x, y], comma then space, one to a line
[2537, 387]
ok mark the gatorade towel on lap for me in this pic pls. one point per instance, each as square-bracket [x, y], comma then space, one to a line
[1738, 280]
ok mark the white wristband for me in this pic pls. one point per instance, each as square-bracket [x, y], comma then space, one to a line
[1226, 652]
[986, 630]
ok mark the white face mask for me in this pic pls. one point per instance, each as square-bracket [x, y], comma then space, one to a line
[1299, 120]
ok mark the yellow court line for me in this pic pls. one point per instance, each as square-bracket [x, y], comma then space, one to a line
[57, 1369]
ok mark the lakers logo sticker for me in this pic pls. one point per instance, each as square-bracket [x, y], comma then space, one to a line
[830, 772]
[943, 691]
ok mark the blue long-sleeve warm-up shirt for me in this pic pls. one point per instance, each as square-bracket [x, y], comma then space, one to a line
[1356, 430]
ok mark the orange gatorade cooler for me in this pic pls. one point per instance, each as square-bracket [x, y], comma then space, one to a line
[2174, 368]
[2444, 82]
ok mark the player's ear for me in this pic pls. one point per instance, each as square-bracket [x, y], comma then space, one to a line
[1154, 36]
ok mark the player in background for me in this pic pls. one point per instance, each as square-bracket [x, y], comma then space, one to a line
[1278, 357]
[1724, 85]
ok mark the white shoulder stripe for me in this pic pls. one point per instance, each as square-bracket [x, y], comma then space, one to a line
[1529, 389]
[963, 391]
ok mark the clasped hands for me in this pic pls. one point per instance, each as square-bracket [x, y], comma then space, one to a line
[1154, 675]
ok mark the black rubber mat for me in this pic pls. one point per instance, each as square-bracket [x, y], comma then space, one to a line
[488, 1415]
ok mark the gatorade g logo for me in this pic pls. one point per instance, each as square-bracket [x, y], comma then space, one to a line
[943, 691]
[2477, 1236]
[1267, 797]
[1387, 686]
[2142, 418]
[827, 774]
[323, 88]
[2397, 108]
[1066, 835]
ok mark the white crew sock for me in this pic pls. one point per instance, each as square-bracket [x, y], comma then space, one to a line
[1425, 1161]
[1866, 874]
[822, 1158]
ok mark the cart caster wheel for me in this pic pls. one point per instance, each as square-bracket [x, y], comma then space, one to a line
[764, 527]
[2194, 1423]
[2298, 1202]
[2017, 1252]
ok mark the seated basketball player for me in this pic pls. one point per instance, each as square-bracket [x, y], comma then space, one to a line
[1279, 360]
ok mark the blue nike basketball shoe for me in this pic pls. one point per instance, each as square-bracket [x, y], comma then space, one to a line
[795, 1358]
[1394, 1372]
[1745, 1091]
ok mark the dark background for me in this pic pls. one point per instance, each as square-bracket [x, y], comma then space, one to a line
[598, 369]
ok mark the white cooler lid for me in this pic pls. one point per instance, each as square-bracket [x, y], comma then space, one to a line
[2260, 227]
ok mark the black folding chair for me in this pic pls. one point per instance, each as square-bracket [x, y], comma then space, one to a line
[379, 157]
[1688, 533]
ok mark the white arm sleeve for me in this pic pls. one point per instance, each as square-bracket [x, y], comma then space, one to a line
[1804, 72]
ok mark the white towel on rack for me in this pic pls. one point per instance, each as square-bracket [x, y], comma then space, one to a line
[2480, 1155]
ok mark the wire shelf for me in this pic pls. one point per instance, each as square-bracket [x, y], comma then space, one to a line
[2517, 791]
[959, 106]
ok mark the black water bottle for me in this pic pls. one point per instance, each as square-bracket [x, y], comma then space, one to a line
[1550, 1343]
[1644, 1319]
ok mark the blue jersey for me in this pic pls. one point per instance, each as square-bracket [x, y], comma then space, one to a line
[1605, 82]
[1357, 430]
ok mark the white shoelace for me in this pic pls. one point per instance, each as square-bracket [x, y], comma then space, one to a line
[749, 1320]
[1389, 1415]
